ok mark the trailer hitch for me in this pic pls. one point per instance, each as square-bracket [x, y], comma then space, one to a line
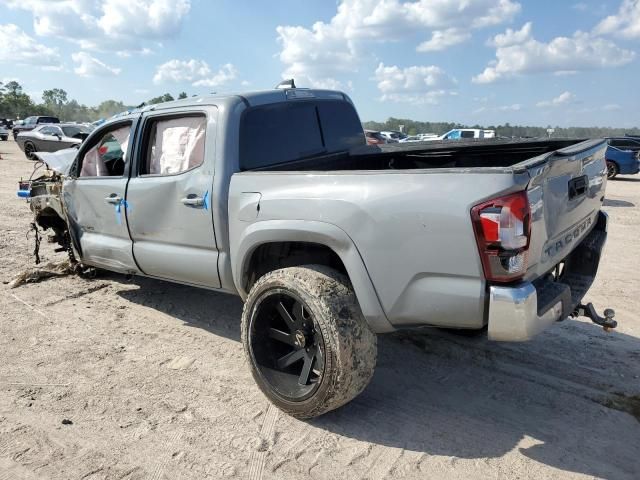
[607, 322]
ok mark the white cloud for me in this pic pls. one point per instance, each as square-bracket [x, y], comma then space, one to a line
[612, 107]
[196, 72]
[625, 23]
[124, 25]
[443, 39]
[516, 107]
[419, 84]
[20, 48]
[517, 52]
[88, 66]
[320, 55]
[563, 99]
[511, 37]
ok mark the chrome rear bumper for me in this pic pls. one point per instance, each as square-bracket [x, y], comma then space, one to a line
[513, 313]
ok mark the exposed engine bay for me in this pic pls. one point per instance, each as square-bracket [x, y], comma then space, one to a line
[44, 195]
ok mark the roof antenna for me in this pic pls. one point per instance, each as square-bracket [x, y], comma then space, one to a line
[286, 84]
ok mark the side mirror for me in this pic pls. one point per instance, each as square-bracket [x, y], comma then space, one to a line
[58, 136]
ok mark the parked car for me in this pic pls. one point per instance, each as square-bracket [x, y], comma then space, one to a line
[328, 240]
[6, 123]
[412, 138]
[374, 137]
[426, 136]
[464, 134]
[30, 123]
[50, 138]
[393, 136]
[4, 133]
[623, 156]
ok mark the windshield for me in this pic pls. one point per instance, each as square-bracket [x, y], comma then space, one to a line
[74, 130]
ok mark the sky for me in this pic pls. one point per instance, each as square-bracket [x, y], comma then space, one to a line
[530, 62]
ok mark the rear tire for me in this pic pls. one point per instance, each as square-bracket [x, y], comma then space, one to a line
[310, 315]
[612, 169]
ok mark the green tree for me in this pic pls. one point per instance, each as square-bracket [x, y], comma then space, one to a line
[55, 100]
[161, 99]
[14, 103]
[182, 95]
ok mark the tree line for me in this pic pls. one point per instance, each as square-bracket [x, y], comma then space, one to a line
[16, 104]
[413, 127]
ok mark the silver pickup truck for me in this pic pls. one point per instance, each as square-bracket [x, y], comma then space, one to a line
[274, 196]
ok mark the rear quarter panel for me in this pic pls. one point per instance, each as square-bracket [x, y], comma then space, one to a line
[626, 160]
[412, 229]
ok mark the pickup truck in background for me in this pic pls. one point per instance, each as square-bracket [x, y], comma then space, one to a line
[30, 123]
[274, 196]
[623, 156]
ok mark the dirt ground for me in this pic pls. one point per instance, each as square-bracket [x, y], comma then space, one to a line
[112, 378]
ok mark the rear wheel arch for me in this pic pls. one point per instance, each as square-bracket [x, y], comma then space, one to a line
[311, 243]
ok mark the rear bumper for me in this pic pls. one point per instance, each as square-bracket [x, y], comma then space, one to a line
[518, 313]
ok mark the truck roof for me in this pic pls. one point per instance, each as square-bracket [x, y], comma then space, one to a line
[252, 99]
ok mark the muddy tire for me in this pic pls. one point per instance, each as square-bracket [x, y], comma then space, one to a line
[307, 343]
[612, 169]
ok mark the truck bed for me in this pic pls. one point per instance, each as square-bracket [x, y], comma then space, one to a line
[431, 155]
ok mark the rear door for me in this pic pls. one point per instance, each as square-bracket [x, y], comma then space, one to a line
[94, 198]
[169, 197]
[565, 195]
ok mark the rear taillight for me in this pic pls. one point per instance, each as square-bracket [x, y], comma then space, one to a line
[502, 229]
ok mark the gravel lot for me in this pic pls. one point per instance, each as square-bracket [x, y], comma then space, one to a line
[112, 378]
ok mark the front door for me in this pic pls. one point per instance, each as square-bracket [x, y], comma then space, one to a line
[168, 198]
[94, 199]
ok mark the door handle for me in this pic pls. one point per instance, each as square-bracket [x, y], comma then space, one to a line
[113, 199]
[193, 200]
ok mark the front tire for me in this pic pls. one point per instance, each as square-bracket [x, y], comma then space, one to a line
[308, 345]
[612, 170]
[29, 149]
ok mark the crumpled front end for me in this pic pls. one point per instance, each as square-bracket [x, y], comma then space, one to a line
[44, 195]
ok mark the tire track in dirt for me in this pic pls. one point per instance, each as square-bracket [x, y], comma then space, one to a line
[165, 455]
[259, 457]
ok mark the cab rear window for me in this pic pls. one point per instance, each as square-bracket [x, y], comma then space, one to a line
[285, 132]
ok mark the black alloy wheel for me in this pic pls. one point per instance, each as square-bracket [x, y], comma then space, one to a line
[29, 150]
[286, 345]
[612, 169]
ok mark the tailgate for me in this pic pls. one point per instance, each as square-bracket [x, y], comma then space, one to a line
[565, 193]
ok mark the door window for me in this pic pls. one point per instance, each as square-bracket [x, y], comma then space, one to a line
[107, 156]
[174, 145]
[49, 131]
